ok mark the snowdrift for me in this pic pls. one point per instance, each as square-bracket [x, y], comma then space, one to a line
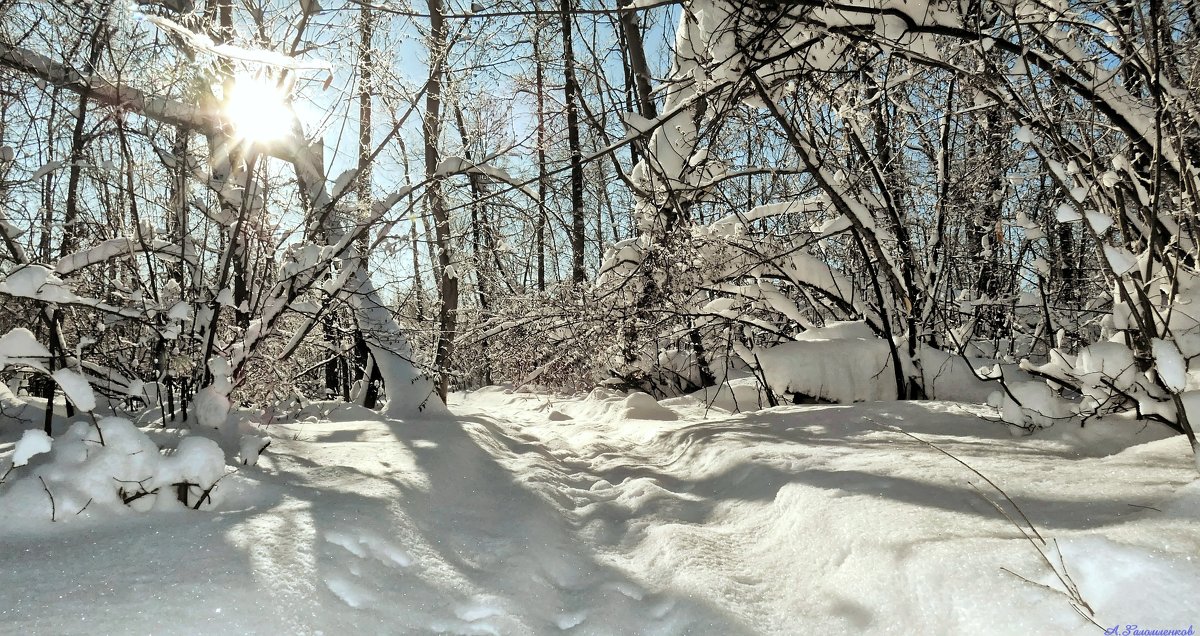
[505, 520]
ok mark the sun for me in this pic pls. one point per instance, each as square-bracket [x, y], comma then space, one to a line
[258, 109]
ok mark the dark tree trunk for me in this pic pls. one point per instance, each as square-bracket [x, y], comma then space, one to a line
[448, 310]
[571, 99]
[543, 175]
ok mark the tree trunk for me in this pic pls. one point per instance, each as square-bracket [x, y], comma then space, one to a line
[364, 370]
[570, 98]
[448, 311]
[637, 62]
[543, 175]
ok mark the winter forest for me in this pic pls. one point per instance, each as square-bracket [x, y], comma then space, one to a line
[571, 316]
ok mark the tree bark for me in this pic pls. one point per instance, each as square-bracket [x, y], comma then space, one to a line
[448, 311]
[570, 99]
[637, 62]
[543, 175]
[364, 370]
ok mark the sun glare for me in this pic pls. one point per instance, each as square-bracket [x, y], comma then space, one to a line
[258, 109]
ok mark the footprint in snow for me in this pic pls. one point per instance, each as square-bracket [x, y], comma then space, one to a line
[364, 545]
[481, 608]
[349, 592]
[662, 609]
[570, 620]
[628, 589]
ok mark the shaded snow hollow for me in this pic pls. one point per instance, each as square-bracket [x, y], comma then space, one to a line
[529, 514]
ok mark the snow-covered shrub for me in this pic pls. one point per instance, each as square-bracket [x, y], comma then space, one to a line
[1031, 405]
[843, 362]
[607, 405]
[108, 468]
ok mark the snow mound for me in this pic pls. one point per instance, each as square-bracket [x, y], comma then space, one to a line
[1032, 404]
[839, 330]
[197, 460]
[108, 468]
[251, 447]
[212, 408]
[1125, 579]
[735, 396]
[951, 377]
[1185, 504]
[641, 406]
[610, 405]
[836, 363]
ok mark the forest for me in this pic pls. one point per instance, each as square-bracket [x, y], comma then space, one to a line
[663, 240]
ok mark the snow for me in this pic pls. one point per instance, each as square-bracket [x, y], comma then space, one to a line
[32, 442]
[735, 395]
[1066, 213]
[95, 472]
[19, 347]
[252, 447]
[842, 362]
[1032, 403]
[498, 518]
[37, 282]
[1099, 222]
[197, 460]
[1104, 367]
[211, 408]
[409, 393]
[947, 376]
[225, 297]
[1172, 368]
[604, 404]
[76, 388]
[250, 55]
[342, 182]
[45, 170]
[180, 311]
[120, 247]
[1120, 259]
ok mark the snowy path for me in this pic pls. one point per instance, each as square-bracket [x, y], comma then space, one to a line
[526, 515]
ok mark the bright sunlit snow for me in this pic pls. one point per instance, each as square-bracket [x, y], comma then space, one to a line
[505, 518]
[663, 317]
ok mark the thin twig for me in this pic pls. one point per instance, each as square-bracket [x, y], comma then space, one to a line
[53, 509]
[1071, 590]
[972, 469]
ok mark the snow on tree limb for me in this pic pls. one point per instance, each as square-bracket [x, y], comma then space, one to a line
[120, 247]
[103, 91]
[229, 51]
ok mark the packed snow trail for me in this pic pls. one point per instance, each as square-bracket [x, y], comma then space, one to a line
[527, 514]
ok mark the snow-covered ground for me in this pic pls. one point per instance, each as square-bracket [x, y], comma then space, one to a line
[531, 514]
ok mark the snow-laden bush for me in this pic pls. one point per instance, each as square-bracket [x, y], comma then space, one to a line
[109, 467]
[843, 362]
[1142, 363]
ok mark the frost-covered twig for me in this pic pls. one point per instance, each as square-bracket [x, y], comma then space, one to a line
[991, 483]
[1070, 589]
